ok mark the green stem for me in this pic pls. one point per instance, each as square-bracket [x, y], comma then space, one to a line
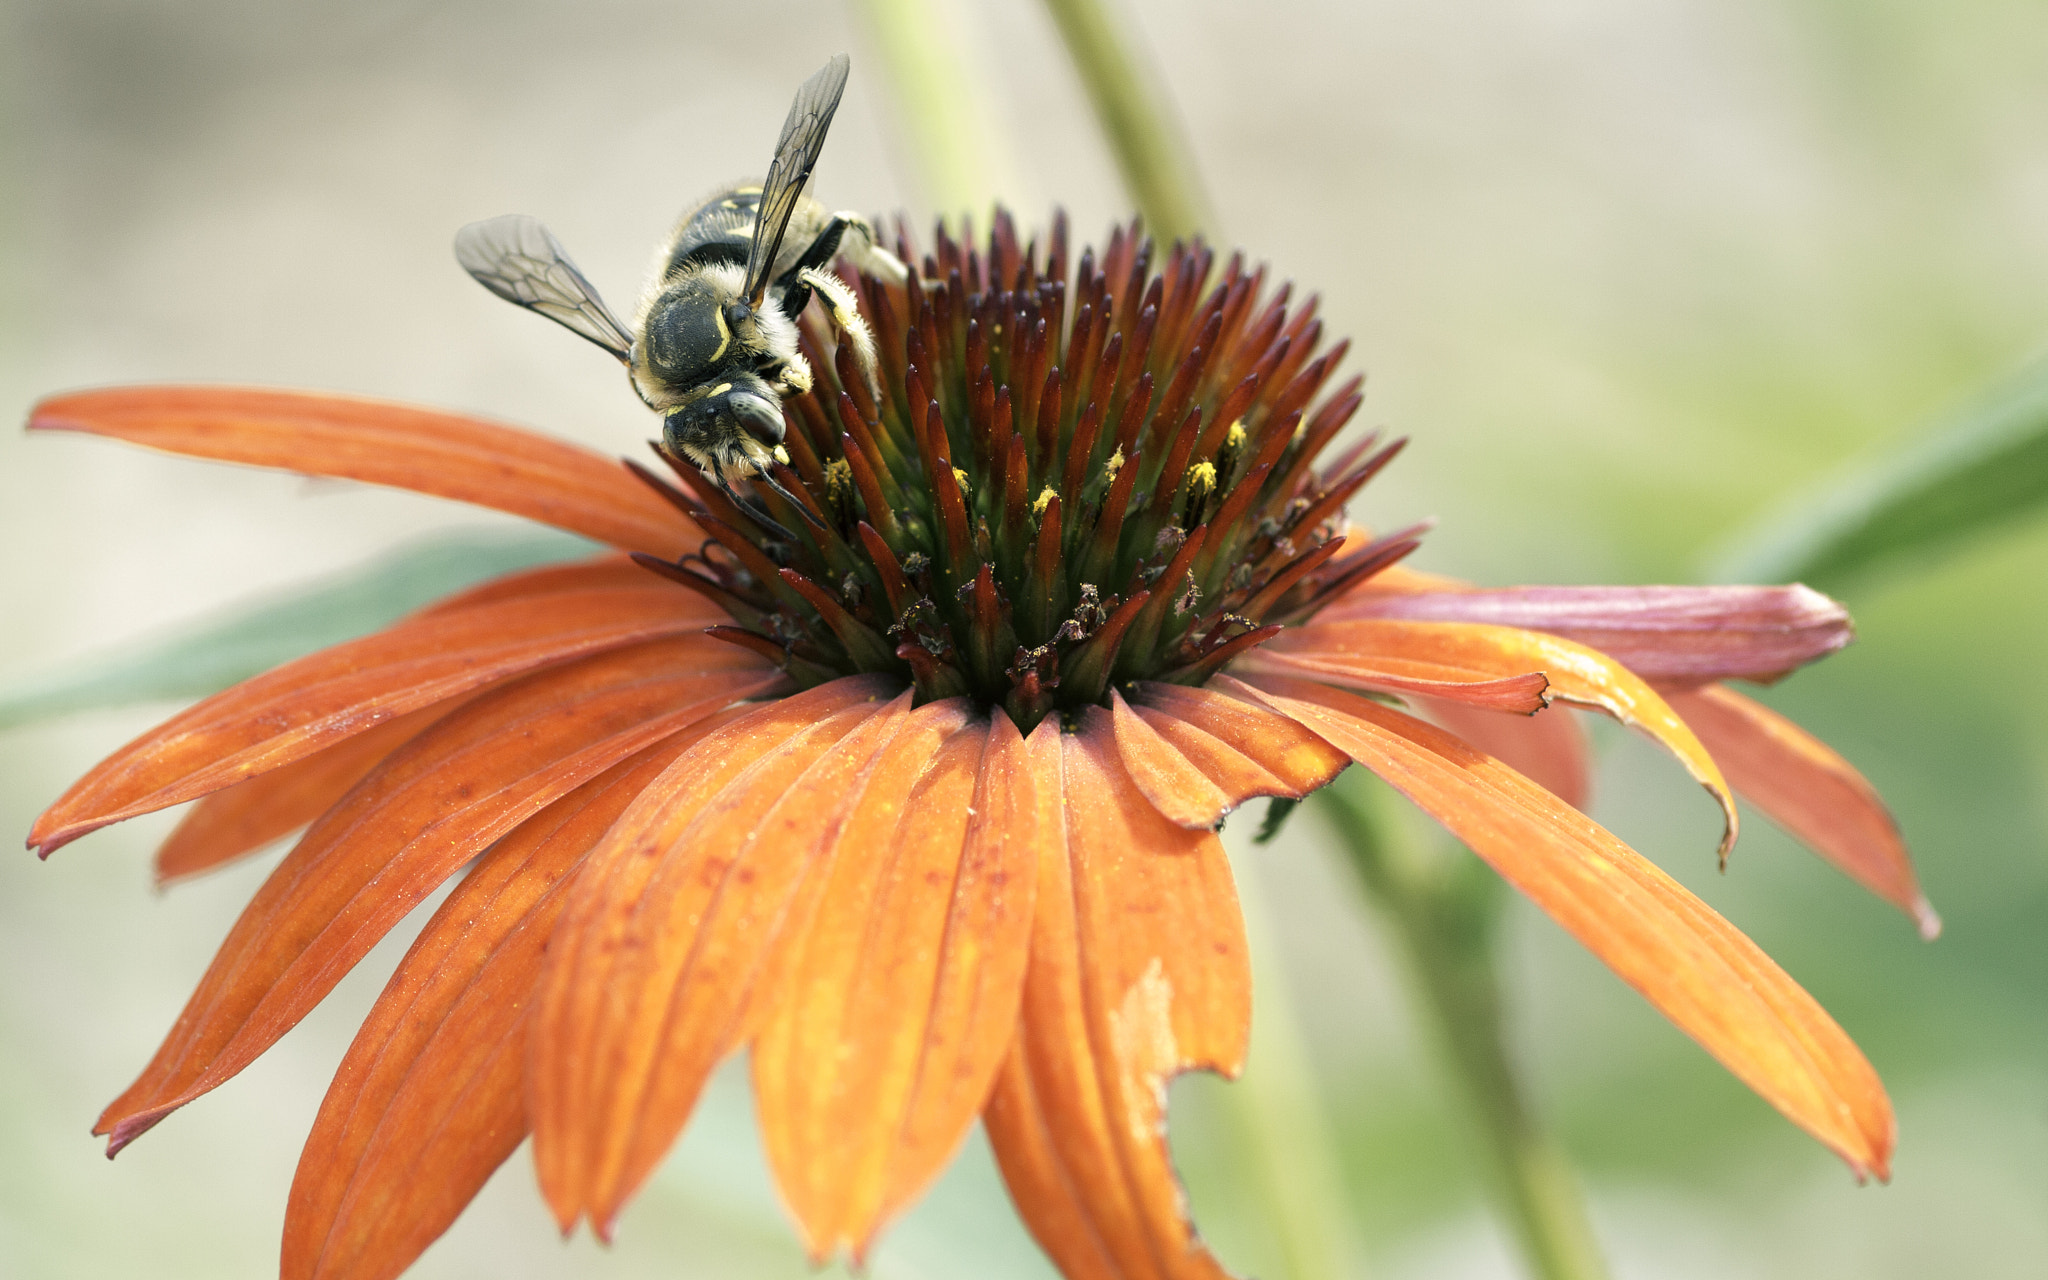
[942, 109]
[1149, 150]
[1443, 912]
[1280, 1117]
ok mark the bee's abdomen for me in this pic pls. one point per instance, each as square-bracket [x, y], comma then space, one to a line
[718, 231]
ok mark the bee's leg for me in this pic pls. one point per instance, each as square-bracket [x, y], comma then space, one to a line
[767, 478]
[868, 254]
[758, 513]
[846, 314]
[849, 235]
[795, 378]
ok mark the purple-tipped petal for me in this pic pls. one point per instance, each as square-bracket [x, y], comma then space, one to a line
[1680, 636]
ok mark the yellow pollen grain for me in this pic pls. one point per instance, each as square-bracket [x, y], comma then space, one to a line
[1042, 501]
[1236, 437]
[838, 477]
[1115, 463]
[1202, 477]
[960, 478]
[781, 455]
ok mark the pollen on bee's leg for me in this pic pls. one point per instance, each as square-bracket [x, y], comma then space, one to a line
[846, 315]
[796, 378]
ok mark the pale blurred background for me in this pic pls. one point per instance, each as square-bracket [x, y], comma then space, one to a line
[1629, 271]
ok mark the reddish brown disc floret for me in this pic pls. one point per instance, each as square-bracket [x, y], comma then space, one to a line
[1065, 480]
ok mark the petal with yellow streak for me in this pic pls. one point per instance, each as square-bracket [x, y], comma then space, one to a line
[1138, 972]
[1523, 693]
[1688, 962]
[1811, 791]
[448, 455]
[1347, 652]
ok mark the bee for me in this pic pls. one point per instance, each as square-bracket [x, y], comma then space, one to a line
[713, 346]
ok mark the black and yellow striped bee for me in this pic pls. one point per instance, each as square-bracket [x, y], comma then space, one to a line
[713, 347]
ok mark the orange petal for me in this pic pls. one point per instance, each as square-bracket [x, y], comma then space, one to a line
[1696, 968]
[1397, 579]
[1548, 750]
[1516, 695]
[250, 814]
[294, 710]
[1347, 653]
[668, 929]
[1197, 755]
[445, 454]
[906, 979]
[595, 573]
[1138, 972]
[428, 1104]
[403, 830]
[1805, 787]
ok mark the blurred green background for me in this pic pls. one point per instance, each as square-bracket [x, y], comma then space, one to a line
[1629, 273]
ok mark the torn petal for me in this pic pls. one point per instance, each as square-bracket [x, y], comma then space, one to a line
[1138, 972]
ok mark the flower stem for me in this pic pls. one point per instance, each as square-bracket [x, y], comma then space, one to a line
[1280, 1115]
[942, 108]
[1444, 912]
[1150, 152]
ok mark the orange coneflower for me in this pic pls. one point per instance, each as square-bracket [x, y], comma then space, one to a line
[912, 794]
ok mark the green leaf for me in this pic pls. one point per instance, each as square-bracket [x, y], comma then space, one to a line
[209, 656]
[1985, 466]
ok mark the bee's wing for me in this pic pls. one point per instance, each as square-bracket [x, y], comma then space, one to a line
[803, 137]
[520, 260]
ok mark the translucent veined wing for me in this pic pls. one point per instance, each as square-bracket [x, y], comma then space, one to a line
[803, 137]
[520, 260]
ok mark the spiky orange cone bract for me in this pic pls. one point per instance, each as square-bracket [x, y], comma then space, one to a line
[913, 792]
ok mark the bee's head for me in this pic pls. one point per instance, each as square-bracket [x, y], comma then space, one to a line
[734, 421]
